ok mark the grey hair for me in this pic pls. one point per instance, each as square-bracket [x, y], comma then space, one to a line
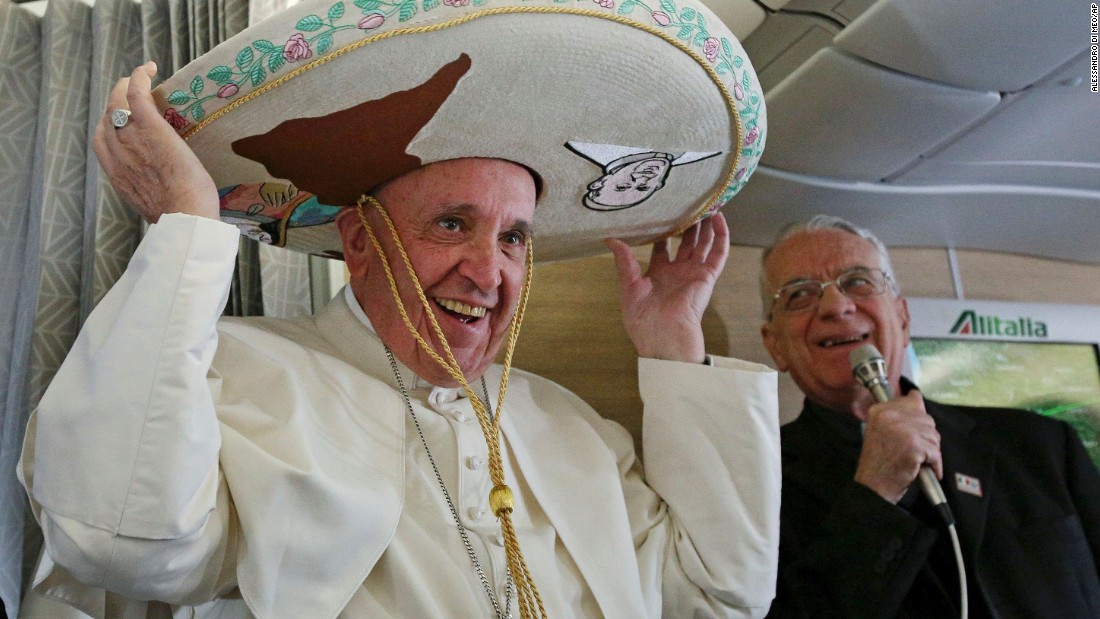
[822, 222]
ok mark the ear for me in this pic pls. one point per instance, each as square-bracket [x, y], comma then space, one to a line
[903, 314]
[773, 347]
[357, 245]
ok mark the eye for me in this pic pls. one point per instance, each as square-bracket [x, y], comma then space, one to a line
[449, 223]
[801, 296]
[795, 294]
[860, 282]
[855, 281]
[513, 237]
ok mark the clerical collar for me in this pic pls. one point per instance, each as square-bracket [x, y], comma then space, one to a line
[438, 394]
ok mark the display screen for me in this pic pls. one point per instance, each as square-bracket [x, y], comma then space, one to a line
[1052, 379]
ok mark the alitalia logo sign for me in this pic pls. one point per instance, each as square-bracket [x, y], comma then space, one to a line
[973, 323]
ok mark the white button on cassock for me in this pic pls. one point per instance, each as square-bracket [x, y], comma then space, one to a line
[439, 395]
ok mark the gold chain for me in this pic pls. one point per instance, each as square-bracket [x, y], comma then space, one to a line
[500, 498]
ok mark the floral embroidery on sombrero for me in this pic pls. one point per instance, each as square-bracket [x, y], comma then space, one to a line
[691, 28]
[751, 136]
[179, 123]
[254, 62]
[297, 49]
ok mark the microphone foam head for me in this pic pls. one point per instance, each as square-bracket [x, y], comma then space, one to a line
[863, 354]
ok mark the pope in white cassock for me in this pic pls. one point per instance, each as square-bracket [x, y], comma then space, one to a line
[373, 460]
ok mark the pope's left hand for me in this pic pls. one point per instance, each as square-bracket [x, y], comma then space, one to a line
[663, 308]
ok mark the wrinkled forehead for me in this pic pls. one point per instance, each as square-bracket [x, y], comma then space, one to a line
[473, 189]
[819, 254]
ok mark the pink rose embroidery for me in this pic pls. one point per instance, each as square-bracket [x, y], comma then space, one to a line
[607, 4]
[661, 18]
[710, 49]
[227, 91]
[740, 173]
[738, 92]
[752, 135]
[297, 48]
[456, 2]
[372, 21]
[179, 123]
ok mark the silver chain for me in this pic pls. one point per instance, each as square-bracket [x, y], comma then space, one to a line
[507, 614]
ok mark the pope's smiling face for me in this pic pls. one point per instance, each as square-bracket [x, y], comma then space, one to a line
[465, 224]
[814, 345]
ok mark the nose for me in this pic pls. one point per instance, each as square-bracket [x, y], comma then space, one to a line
[482, 264]
[834, 303]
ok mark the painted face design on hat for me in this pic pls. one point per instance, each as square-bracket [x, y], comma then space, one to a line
[630, 174]
[267, 211]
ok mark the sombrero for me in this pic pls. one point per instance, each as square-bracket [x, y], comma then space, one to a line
[639, 117]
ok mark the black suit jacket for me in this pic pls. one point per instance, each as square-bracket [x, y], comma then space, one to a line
[1031, 541]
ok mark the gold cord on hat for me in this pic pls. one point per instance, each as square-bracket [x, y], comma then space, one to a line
[501, 500]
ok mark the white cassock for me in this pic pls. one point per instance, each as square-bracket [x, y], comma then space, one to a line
[269, 468]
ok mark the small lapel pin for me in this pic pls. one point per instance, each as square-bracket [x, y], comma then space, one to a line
[968, 484]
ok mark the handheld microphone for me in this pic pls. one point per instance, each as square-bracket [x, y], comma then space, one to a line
[869, 368]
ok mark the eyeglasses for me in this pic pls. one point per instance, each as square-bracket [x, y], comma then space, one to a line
[805, 295]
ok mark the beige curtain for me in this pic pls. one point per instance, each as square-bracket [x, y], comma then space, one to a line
[64, 235]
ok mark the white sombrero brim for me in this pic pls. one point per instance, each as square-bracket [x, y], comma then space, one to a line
[638, 121]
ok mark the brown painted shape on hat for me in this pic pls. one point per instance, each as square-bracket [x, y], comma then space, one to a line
[339, 156]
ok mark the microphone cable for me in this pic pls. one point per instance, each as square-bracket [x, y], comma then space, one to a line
[964, 610]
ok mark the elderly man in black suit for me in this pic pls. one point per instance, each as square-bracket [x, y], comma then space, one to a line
[857, 538]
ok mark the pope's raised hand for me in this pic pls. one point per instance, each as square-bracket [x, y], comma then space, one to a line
[663, 308]
[147, 163]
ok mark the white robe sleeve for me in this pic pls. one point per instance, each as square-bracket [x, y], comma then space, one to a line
[122, 465]
[711, 451]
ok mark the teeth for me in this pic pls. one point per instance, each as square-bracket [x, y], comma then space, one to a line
[461, 308]
[828, 343]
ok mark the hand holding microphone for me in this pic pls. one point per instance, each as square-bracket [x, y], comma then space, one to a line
[900, 440]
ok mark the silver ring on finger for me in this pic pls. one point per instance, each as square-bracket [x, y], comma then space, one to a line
[120, 118]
